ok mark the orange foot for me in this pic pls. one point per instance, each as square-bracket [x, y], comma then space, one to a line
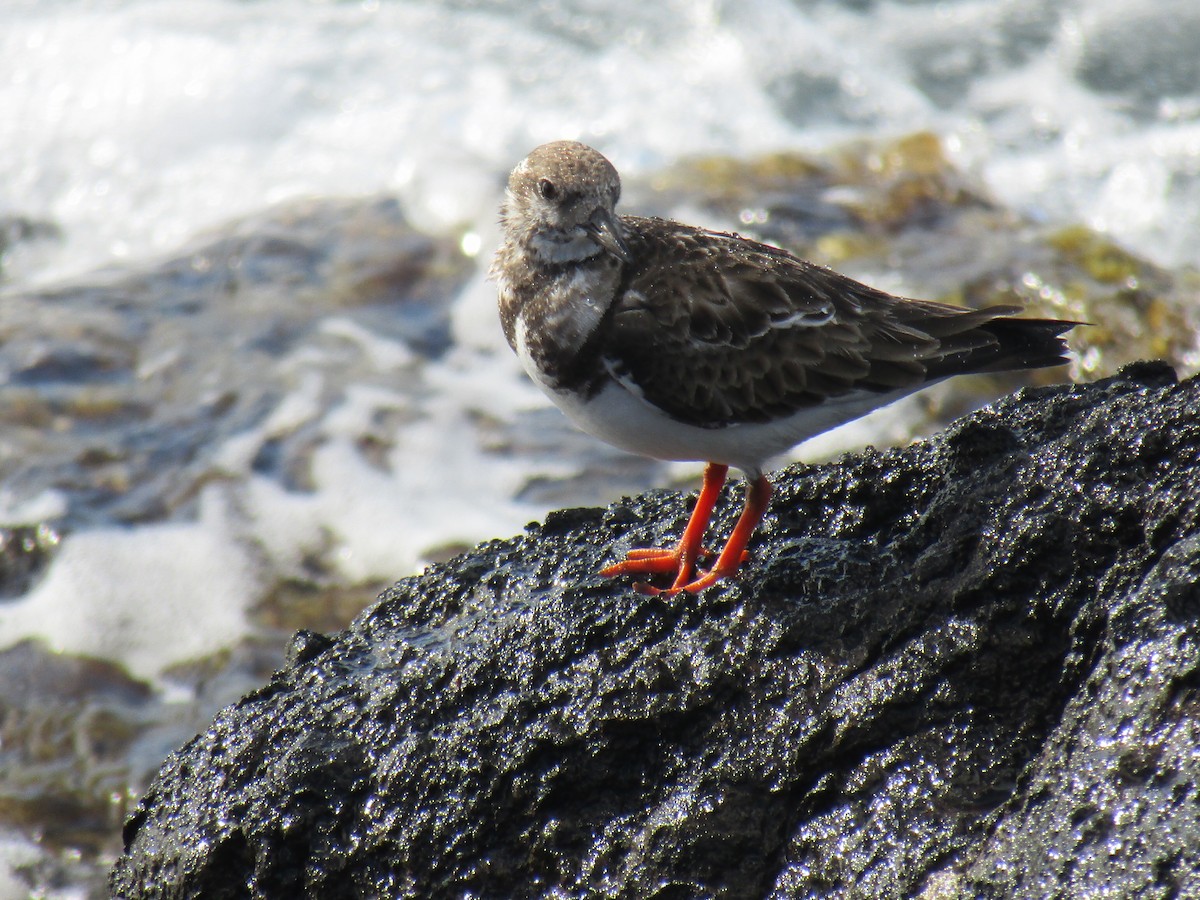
[658, 561]
[681, 560]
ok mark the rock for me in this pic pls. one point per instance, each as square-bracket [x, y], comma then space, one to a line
[968, 667]
[24, 552]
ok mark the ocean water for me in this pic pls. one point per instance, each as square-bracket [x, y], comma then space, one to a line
[129, 128]
[133, 125]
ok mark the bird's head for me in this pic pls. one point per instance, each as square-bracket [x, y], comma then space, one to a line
[561, 201]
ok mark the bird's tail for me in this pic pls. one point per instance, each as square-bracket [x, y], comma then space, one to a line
[1025, 344]
[995, 340]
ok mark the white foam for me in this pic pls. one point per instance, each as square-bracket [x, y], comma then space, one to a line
[147, 596]
[436, 491]
[383, 354]
[376, 515]
[16, 853]
[46, 506]
[139, 123]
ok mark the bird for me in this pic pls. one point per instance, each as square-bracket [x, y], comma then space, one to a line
[678, 342]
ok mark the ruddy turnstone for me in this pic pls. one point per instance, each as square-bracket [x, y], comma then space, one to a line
[681, 343]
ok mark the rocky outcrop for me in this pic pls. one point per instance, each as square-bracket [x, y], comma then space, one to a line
[968, 667]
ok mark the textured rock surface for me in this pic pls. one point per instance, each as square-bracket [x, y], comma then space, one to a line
[966, 667]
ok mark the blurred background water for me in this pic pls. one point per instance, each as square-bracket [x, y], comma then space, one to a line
[250, 369]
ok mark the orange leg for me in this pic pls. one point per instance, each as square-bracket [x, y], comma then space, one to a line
[680, 560]
[758, 495]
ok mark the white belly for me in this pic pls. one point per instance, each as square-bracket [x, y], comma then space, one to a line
[628, 422]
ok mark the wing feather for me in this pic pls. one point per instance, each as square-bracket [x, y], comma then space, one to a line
[716, 330]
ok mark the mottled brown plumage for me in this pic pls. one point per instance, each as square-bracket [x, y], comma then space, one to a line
[683, 343]
[716, 329]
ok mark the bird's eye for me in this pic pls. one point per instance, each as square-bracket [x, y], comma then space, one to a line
[547, 189]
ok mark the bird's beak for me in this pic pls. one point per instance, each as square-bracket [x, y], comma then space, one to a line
[605, 230]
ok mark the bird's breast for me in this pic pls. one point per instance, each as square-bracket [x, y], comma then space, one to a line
[557, 325]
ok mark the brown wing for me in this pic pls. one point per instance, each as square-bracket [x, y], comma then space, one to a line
[715, 329]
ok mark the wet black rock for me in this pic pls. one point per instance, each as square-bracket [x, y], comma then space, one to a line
[968, 667]
[24, 553]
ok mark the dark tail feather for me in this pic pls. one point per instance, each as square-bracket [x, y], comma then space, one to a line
[1011, 344]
